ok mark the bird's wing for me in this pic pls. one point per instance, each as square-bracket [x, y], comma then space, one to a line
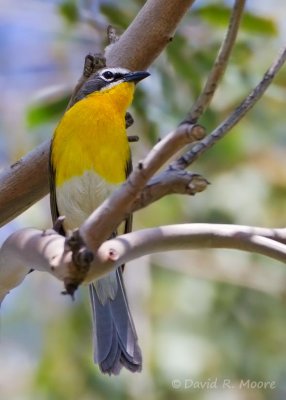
[53, 199]
[129, 219]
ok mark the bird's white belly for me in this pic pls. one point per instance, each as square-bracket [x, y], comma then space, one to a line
[78, 197]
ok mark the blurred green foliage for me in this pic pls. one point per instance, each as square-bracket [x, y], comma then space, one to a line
[218, 15]
[41, 113]
[197, 327]
[68, 9]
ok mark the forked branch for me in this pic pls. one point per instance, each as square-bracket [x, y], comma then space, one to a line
[136, 49]
[115, 209]
[244, 107]
[44, 250]
[51, 252]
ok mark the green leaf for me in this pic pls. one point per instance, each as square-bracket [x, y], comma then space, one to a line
[42, 113]
[69, 11]
[218, 15]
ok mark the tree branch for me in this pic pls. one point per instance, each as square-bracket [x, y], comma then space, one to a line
[225, 127]
[23, 183]
[116, 208]
[169, 182]
[76, 250]
[71, 259]
[267, 242]
[45, 251]
[148, 34]
[136, 49]
[219, 66]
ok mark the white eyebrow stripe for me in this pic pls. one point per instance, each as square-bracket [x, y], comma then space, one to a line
[115, 70]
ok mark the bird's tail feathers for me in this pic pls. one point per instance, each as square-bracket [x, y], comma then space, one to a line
[115, 338]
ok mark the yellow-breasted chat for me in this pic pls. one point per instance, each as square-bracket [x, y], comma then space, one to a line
[89, 158]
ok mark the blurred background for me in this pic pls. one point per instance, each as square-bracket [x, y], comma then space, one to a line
[203, 317]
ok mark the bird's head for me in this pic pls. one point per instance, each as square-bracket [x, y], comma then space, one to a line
[107, 78]
[111, 79]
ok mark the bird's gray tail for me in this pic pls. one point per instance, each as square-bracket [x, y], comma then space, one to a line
[115, 338]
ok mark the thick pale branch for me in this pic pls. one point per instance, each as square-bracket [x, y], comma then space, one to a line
[30, 249]
[137, 48]
[192, 236]
[47, 251]
[219, 66]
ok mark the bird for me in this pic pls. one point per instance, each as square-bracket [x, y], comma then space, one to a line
[89, 158]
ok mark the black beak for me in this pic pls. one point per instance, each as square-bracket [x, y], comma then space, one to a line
[136, 76]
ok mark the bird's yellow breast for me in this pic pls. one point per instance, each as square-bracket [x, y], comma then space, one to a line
[92, 137]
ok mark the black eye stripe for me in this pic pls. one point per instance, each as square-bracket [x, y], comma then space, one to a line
[117, 76]
[99, 82]
[112, 76]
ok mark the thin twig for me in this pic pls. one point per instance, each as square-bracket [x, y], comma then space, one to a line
[112, 35]
[168, 182]
[219, 66]
[244, 107]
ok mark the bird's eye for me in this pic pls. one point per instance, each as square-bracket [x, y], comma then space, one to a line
[108, 75]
